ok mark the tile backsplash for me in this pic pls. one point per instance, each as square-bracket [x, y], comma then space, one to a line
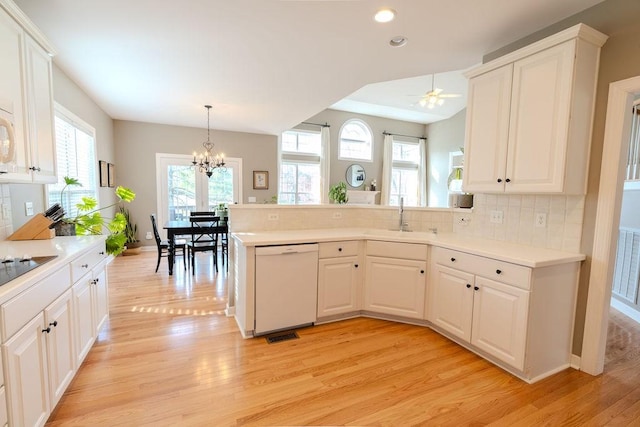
[564, 217]
[6, 225]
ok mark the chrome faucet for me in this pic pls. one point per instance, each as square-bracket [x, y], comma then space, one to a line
[402, 223]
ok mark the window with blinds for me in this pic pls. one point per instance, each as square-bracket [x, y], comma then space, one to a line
[75, 151]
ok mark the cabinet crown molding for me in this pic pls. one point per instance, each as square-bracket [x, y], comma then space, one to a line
[579, 31]
[25, 22]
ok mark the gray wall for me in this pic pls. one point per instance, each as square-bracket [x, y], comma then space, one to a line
[74, 99]
[137, 144]
[373, 169]
[443, 137]
[619, 60]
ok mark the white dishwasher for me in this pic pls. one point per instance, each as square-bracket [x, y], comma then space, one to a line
[286, 287]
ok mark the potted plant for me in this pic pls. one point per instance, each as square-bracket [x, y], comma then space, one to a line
[338, 193]
[132, 244]
[89, 219]
[222, 210]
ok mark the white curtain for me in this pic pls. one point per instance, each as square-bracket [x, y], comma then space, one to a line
[387, 163]
[422, 173]
[325, 167]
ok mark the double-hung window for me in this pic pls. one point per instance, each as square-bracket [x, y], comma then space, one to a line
[407, 173]
[300, 168]
[75, 152]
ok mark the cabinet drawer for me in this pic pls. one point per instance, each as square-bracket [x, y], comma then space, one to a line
[397, 250]
[505, 272]
[338, 249]
[86, 262]
[19, 310]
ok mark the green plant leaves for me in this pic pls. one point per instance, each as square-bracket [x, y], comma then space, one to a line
[125, 194]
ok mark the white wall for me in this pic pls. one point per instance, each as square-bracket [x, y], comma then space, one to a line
[443, 137]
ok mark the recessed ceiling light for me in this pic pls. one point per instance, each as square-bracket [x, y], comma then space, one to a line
[398, 41]
[385, 15]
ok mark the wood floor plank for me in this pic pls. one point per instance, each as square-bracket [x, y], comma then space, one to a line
[170, 357]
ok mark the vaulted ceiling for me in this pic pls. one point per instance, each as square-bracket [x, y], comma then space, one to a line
[266, 65]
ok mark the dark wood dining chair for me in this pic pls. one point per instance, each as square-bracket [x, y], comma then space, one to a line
[163, 245]
[204, 238]
[224, 240]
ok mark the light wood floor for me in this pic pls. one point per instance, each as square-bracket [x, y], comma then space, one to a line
[169, 356]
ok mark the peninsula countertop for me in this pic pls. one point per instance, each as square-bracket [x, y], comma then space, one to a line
[528, 256]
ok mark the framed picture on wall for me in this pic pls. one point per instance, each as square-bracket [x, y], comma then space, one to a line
[112, 175]
[260, 180]
[104, 174]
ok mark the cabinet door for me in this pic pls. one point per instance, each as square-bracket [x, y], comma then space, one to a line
[101, 297]
[83, 310]
[40, 107]
[500, 320]
[25, 359]
[61, 354]
[540, 110]
[11, 98]
[338, 285]
[451, 300]
[395, 286]
[487, 131]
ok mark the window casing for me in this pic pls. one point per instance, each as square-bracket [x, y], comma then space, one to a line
[405, 176]
[356, 141]
[76, 158]
[300, 180]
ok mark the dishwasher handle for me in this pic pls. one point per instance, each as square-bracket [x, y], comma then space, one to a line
[286, 249]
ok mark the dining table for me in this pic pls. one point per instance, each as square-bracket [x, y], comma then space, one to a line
[178, 228]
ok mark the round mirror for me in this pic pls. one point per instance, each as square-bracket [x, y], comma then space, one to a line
[355, 176]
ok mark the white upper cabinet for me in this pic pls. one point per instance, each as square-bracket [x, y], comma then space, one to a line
[13, 160]
[488, 122]
[40, 106]
[529, 116]
[26, 92]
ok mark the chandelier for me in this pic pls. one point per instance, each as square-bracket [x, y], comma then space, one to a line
[207, 161]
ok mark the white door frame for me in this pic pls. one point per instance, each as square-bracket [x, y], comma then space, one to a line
[162, 196]
[614, 158]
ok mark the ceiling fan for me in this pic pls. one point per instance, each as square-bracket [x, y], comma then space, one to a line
[435, 97]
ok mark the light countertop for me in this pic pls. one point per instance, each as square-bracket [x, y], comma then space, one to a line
[66, 249]
[527, 256]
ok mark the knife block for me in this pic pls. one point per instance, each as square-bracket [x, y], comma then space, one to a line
[37, 228]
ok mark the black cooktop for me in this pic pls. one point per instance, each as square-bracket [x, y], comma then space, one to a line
[9, 270]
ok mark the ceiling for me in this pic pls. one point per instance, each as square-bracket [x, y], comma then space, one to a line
[267, 65]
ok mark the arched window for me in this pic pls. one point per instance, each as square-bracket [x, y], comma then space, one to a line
[356, 141]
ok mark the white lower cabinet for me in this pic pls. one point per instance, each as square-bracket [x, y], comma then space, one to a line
[490, 315]
[40, 362]
[90, 302]
[521, 317]
[25, 357]
[339, 278]
[500, 320]
[47, 330]
[59, 323]
[451, 300]
[395, 280]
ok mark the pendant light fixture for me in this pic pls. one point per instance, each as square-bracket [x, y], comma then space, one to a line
[207, 161]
